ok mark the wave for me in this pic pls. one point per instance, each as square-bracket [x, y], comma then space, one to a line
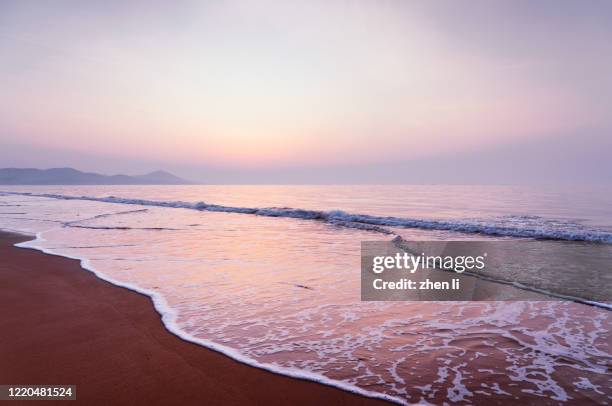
[528, 229]
[99, 216]
[122, 228]
[169, 318]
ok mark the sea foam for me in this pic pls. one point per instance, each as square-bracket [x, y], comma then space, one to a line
[527, 229]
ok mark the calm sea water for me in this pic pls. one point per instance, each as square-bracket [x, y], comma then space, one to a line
[270, 275]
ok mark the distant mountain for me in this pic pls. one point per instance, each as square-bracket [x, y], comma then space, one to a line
[70, 176]
[161, 178]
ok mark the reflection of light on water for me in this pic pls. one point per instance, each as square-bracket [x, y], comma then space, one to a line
[240, 280]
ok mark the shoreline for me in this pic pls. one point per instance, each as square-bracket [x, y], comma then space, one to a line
[65, 326]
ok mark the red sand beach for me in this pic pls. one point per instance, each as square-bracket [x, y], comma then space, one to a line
[60, 324]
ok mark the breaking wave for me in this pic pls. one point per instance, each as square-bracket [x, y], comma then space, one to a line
[530, 228]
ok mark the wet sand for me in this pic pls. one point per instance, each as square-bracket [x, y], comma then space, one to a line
[59, 324]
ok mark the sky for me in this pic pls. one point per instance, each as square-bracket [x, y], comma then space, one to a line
[481, 91]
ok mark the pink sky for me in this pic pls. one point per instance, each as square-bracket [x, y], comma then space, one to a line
[270, 85]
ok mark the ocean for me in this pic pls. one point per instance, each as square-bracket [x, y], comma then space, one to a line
[270, 275]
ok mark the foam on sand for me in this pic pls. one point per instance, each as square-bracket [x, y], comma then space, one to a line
[169, 318]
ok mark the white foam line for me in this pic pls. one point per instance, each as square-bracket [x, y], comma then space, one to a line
[169, 317]
[365, 221]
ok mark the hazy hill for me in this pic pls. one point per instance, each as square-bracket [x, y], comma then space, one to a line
[70, 176]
